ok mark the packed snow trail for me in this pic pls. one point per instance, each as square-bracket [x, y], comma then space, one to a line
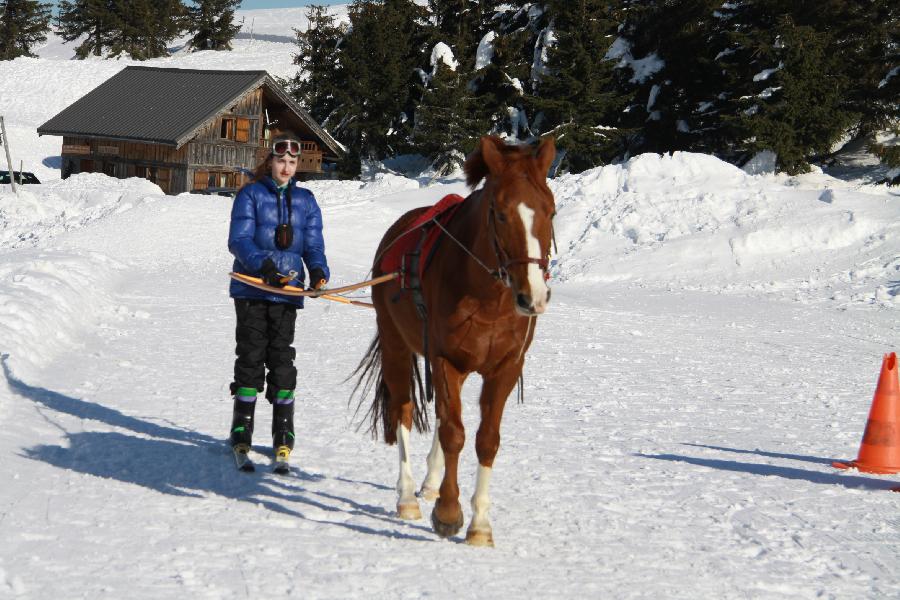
[672, 443]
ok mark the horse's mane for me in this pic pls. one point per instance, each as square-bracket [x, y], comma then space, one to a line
[475, 166]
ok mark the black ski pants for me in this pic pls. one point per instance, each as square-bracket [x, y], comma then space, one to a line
[264, 334]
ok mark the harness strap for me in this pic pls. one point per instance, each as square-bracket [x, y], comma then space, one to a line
[412, 282]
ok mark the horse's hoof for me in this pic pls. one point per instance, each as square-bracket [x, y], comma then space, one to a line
[480, 537]
[409, 511]
[429, 494]
[445, 530]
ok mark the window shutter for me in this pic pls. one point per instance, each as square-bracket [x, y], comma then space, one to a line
[200, 180]
[243, 130]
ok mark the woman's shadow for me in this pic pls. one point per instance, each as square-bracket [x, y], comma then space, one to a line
[185, 463]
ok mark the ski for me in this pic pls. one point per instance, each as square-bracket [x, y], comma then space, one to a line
[242, 458]
[282, 456]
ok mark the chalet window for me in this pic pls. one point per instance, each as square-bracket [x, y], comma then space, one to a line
[228, 127]
[219, 179]
[148, 173]
[201, 180]
[242, 133]
[227, 132]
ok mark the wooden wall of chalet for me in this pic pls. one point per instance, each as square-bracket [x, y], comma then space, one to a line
[219, 147]
[164, 165]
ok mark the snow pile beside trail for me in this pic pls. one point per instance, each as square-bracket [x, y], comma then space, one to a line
[351, 193]
[695, 222]
[48, 294]
[46, 298]
[42, 211]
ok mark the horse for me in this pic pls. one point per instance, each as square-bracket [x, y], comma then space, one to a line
[473, 311]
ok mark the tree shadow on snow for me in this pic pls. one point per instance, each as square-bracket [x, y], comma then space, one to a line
[836, 478]
[188, 464]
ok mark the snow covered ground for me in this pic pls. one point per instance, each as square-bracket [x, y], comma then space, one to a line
[713, 343]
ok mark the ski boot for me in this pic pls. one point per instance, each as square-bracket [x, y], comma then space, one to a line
[283, 428]
[242, 425]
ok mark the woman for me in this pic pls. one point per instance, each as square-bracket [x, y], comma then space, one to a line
[276, 228]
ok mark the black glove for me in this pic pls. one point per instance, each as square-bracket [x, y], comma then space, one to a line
[317, 278]
[270, 275]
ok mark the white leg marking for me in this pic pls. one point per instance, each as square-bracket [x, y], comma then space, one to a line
[538, 287]
[431, 485]
[407, 505]
[481, 501]
[479, 532]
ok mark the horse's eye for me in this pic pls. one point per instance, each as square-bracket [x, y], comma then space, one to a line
[501, 217]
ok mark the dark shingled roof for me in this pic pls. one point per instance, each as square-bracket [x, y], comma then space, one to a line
[165, 106]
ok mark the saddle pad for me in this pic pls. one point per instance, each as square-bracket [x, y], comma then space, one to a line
[406, 242]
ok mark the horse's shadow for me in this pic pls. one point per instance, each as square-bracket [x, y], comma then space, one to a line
[824, 478]
[188, 464]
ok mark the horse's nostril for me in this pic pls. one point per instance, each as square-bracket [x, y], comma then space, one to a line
[524, 301]
[549, 293]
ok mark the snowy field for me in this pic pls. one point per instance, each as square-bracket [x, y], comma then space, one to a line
[712, 344]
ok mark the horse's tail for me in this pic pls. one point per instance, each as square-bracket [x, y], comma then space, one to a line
[371, 376]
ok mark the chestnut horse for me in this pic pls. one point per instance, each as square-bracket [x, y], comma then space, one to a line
[481, 292]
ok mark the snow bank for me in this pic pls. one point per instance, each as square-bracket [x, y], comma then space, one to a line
[41, 211]
[46, 298]
[693, 221]
[48, 294]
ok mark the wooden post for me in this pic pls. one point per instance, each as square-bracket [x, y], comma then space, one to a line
[5, 141]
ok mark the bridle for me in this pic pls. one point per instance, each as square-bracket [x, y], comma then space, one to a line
[501, 273]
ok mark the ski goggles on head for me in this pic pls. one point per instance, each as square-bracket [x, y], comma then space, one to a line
[282, 147]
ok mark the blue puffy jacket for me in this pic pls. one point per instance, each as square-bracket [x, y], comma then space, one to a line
[258, 209]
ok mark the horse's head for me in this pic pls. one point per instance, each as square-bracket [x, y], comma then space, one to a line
[520, 215]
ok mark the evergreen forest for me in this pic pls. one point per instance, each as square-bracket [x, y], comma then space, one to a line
[608, 78]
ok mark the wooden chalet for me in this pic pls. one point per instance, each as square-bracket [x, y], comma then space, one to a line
[183, 129]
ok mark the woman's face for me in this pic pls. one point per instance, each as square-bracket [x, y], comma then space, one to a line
[283, 168]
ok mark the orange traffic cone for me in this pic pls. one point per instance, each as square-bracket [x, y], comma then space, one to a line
[880, 448]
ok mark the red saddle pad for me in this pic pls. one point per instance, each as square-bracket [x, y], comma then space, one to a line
[406, 243]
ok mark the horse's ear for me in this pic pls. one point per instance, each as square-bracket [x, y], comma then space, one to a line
[487, 158]
[545, 154]
[490, 151]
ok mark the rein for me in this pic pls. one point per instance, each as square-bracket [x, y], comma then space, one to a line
[501, 273]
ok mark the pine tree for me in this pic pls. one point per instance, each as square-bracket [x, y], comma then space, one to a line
[23, 23]
[501, 84]
[868, 41]
[788, 79]
[143, 29]
[318, 78]
[90, 18]
[667, 62]
[799, 113]
[445, 124]
[212, 23]
[385, 45]
[573, 87]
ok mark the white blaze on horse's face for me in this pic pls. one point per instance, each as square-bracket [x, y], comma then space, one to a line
[537, 289]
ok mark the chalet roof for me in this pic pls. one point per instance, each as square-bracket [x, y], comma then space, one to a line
[166, 106]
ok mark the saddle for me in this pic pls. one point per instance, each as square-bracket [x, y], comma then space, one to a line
[419, 240]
